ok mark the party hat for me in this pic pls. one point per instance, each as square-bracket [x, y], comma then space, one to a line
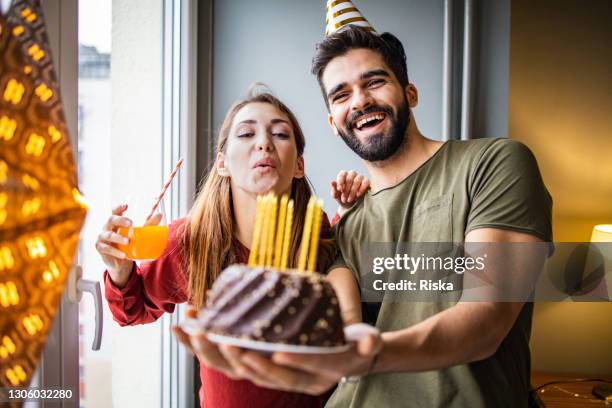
[341, 13]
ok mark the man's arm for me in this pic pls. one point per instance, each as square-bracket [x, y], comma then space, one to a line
[461, 334]
[347, 290]
[466, 332]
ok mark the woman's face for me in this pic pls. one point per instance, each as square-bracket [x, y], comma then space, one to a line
[260, 153]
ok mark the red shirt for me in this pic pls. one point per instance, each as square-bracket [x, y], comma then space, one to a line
[156, 287]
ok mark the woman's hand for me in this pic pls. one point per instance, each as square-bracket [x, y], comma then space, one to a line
[207, 352]
[348, 188]
[117, 264]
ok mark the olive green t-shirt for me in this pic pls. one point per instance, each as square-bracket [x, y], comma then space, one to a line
[465, 185]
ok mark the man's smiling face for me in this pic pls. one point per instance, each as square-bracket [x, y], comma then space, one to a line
[368, 106]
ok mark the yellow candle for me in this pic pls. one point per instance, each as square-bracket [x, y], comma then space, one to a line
[306, 235]
[264, 231]
[278, 246]
[316, 232]
[271, 230]
[256, 232]
[287, 236]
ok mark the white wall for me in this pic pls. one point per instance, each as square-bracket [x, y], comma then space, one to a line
[136, 72]
[560, 104]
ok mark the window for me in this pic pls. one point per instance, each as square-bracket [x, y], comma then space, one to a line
[134, 117]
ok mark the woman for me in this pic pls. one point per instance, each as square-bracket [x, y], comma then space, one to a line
[259, 150]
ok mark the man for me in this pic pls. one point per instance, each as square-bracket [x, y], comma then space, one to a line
[464, 354]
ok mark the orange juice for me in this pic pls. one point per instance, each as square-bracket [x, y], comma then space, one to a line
[146, 242]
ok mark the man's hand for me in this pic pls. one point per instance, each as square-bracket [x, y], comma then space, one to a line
[347, 188]
[306, 373]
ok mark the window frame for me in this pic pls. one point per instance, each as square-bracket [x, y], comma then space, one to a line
[180, 139]
[59, 364]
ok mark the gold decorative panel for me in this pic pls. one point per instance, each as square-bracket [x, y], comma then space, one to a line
[41, 209]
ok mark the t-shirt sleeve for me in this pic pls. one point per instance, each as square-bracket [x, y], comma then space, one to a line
[507, 191]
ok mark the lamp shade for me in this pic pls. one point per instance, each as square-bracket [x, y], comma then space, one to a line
[602, 233]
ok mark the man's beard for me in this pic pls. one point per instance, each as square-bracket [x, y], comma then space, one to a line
[379, 146]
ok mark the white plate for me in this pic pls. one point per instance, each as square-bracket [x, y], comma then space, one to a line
[352, 333]
[274, 347]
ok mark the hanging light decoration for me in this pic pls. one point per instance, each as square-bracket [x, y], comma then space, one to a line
[41, 208]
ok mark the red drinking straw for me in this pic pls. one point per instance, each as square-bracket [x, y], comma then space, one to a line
[161, 195]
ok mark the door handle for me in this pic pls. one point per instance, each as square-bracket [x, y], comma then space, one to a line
[76, 286]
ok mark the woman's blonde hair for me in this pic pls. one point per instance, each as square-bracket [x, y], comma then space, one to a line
[210, 226]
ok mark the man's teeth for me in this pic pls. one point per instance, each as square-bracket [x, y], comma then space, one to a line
[361, 122]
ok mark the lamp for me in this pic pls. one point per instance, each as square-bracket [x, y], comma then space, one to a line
[602, 233]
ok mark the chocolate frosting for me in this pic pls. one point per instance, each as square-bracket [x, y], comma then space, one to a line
[264, 304]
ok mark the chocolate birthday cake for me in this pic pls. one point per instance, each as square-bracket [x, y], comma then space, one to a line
[267, 305]
[266, 301]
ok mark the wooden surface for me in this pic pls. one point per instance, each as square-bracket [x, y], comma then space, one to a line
[554, 397]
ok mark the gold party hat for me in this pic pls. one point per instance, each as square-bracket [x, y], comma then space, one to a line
[341, 13]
